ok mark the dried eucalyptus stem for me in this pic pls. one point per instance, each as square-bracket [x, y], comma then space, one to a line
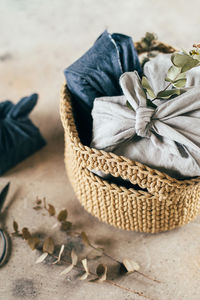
[107, 281]
[48, 247]
[120, 263]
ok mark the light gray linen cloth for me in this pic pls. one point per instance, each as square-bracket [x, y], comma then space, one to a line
[166, 138]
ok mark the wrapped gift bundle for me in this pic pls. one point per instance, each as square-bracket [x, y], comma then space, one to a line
[132, 132]
[19, 137]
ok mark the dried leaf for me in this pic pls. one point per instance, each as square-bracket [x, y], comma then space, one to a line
[85, 239]
[150, 37]
[33, 242]
[84, 276]
[95, 253]
[85, 266]
[55, 225]
[60, 254]
[74, 257]
[65, 226]
[130, 265]
[48, 245]
[41, 258]
[37, 207]
[87, 273]
[25, 233]
[101, 272]
[74, 262]
[51, 210]
[67, 270]
[15, 227]
[62, 216]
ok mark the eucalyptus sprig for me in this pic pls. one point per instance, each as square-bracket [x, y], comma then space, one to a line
[176, 75]
[148, 41]
[82, 262]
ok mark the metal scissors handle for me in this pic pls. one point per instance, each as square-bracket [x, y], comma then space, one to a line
[3, 237]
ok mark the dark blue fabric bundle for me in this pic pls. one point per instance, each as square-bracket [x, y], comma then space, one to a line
[97, 74]
[19, 137]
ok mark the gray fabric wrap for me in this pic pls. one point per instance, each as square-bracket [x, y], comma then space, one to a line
[166, 138]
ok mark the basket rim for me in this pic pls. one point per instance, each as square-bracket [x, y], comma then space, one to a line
[70, 126]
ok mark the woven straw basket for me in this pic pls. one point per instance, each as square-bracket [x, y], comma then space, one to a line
[165, 204]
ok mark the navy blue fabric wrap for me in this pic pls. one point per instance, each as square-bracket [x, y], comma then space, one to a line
[97, 73]
[19, 137]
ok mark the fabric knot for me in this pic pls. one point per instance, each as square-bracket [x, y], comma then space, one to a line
[143, 120]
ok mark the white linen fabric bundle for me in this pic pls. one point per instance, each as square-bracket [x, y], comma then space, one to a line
[166, 138]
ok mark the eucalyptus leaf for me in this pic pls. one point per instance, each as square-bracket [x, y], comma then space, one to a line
[65, 226]
[85, 239]
[48, 245]
[84, 276]
[184, 61]
[74, 257]
[168, 93]
[101, 272]
[84, 263]
[130, 265]
[51, 210]
[33, 242]
[128, 105]
[67, 270]
[150, 37]
[59, 255]
[25, 233]
[150, 103]
[196, 56]
[62, 216]
[15, 227]
[41, 258]
[180, 83]
[172, 73]
[181, 76]
[147, 87]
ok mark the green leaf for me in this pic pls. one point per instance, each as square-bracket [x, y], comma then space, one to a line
[181, 76]
[168, 93]
[150, 103]
[180, 83]
[172, 73]
[128, 104]
[147, 87]
[184, 61]
[197, 57]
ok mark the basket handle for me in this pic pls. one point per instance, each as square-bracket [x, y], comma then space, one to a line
[118, 166]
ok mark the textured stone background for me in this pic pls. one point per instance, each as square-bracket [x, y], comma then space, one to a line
[38, 39]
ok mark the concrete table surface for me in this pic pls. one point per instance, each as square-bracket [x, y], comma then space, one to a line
[38, 39]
